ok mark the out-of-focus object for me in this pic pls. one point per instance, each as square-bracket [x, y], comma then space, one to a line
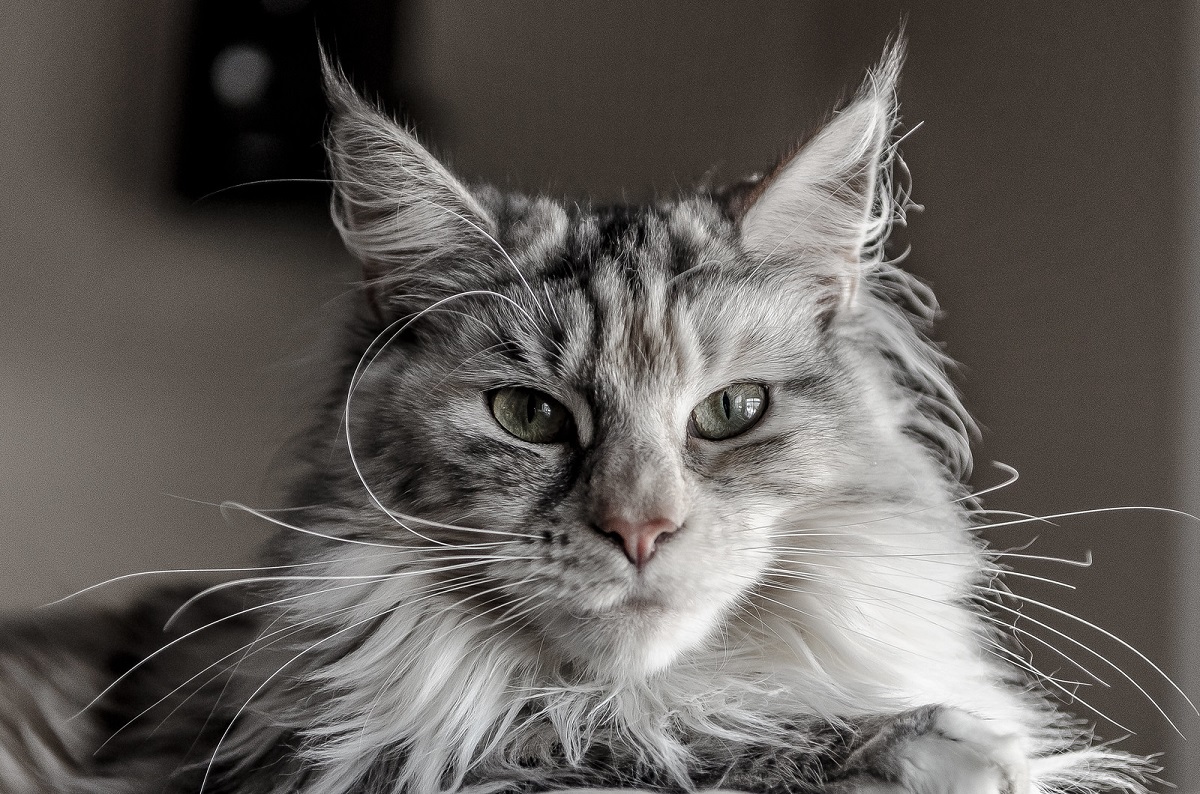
[252, 108]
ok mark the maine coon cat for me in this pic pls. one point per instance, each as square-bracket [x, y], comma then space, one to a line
[652, 497]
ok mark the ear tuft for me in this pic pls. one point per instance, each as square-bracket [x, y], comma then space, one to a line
[396, 206]
[829, 203]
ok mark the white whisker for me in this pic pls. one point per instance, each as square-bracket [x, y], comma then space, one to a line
[472, 561]
[1103, 658]
[1086, 562]
[1114, 638]
[1094, 511]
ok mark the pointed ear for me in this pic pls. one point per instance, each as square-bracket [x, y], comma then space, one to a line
[398, 209]
[828, 203]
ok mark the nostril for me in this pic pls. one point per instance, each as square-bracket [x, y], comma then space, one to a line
[639, 540]
[612, 535]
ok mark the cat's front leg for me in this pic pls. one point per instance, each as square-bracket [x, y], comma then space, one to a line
[936, 750]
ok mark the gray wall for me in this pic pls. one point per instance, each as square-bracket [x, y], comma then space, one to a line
[1186, 638]
[149, 349]
[145, 346]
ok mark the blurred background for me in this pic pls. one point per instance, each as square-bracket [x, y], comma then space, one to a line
[159, 333]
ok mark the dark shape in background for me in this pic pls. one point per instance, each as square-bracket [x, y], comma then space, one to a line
[253, 113]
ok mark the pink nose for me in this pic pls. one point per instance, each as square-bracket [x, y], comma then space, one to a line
[639, 539]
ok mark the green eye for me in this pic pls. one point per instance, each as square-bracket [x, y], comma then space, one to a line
[530, 415]
[727, 412]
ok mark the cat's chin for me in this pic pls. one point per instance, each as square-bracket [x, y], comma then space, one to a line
[633, 639]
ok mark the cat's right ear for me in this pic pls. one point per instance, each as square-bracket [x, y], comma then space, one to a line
[399, 210]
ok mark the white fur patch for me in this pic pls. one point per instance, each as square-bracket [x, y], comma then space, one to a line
[965, 755]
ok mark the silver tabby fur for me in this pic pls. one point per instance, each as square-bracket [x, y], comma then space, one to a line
[443, 615]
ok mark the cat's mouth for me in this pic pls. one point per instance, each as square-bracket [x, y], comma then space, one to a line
[641, 604]
[645, 604]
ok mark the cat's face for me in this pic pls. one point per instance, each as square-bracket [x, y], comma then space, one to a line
[617, 420]
[644, 367]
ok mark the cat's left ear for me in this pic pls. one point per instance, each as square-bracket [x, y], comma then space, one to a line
[822, 207]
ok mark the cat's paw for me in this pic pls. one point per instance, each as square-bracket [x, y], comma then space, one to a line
[964, 754]
[942, 751]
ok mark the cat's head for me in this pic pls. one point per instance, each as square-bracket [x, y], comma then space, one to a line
[613, 430]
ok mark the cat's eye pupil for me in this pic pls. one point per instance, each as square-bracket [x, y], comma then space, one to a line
[728, 412]
[530, 415]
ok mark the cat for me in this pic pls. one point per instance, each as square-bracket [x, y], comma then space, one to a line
[658, 498]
